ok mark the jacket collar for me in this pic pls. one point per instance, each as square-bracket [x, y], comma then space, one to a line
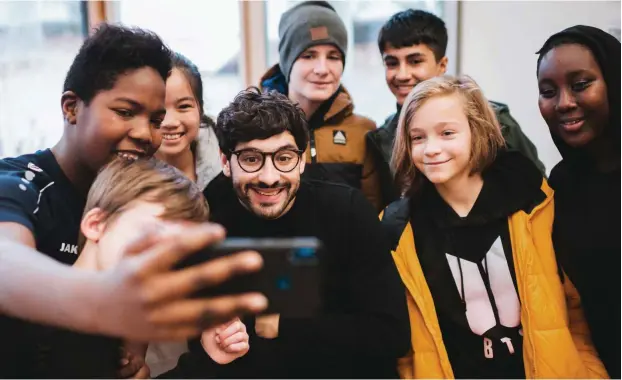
[341, 107]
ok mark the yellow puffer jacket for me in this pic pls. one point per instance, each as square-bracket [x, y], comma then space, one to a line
[556, 342]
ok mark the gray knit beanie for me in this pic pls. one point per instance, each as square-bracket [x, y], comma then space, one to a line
[309, 24]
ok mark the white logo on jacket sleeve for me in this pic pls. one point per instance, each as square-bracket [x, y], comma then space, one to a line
[34, 167]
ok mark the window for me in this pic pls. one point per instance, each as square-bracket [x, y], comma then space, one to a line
[207, 32]
[364, 71]
[38, 41]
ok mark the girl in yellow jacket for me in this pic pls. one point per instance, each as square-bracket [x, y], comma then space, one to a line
[472, 242]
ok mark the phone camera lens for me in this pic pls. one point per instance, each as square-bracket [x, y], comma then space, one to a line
[303, 256]
[305, 253]
[283, 283]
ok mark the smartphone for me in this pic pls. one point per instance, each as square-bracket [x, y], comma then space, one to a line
[289, 278]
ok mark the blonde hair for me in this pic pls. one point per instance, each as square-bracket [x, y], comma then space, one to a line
[123, 181]
[486, 138]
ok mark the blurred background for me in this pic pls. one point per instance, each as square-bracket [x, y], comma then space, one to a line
[234, 42]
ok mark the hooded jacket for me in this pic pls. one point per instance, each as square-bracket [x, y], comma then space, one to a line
[207, 157]
[380, 142]
[586, 232]
[337, 150]
[556, 341]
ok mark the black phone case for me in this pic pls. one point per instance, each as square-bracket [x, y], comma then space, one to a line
[289, 278]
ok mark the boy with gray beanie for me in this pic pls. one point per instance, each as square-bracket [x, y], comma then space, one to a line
[309, 24]
[313, 43]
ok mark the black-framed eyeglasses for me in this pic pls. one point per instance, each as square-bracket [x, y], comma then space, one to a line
[252, 160]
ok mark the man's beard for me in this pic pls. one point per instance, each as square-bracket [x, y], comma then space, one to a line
[267, 210]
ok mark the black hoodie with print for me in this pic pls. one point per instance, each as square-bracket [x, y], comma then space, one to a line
[468, 266]
[586, 231]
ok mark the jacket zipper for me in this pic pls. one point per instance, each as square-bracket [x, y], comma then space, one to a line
[518, 267]
[313, 151]
[533, 213]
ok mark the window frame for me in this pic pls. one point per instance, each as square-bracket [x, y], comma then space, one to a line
[256, 54]
[253, 24]
[96, 13]
[92, 12]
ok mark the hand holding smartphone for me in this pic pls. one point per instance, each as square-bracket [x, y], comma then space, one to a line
[289, 278]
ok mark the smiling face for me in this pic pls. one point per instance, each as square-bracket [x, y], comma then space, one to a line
[268, 192]
[441, 139]
[316, 74]
[407, 66]
[122, 121]
[181, 123]
[573, 94]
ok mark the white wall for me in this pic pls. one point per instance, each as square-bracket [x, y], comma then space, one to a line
[498, 40]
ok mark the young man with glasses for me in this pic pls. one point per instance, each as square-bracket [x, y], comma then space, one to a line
[361, 328]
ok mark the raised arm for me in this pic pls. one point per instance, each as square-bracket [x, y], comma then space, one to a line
[141, 299]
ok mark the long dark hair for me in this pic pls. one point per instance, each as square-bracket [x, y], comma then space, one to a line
[192, 74]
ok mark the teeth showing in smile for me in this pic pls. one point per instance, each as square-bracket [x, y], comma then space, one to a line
[171, 136]
[127, 155]
[269, 193]
[572, 125]
[571, 122]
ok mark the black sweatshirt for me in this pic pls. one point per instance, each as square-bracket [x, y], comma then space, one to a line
[468, 266]
[586, 232]
[363, 327]
[36, 193]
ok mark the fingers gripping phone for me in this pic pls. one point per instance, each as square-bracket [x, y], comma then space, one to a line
[289, 278]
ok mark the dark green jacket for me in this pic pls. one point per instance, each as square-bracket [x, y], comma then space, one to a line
[380, 143]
